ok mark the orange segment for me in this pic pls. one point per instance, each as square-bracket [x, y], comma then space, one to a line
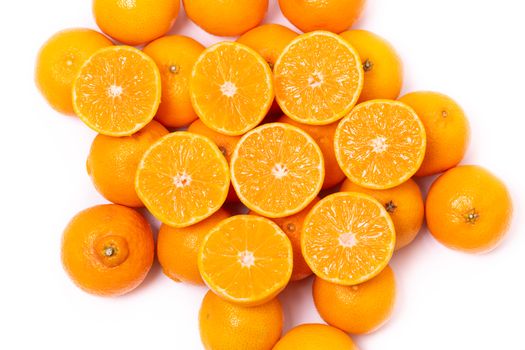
[231, 88]
[246, 259]
[380, 144]
[182, 179]
[277, 170]
[318, 78]
[348, 238]
[117, 91]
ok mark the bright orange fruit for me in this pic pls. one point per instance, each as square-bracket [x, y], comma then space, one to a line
[380, 144]
[469, 209]
[246, 259]
[59, 61]
[358, 309]
[108, 249]
[117, 91]
[175, 56]
[318, 78]
[277, 170]
[315, 337]
[348, 238]
[231, 88]
[182, 179]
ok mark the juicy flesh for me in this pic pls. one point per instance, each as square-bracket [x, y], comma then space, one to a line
[117, 90]
[247, 258]
[348, 238]
[318, 79]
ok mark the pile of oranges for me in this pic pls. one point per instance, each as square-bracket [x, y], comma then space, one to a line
[304, 136]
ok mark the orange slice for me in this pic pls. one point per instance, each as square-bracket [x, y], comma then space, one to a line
[231, 88]
[117, 91]
[246, 259]
[277, 170]
[182, 179]
[380, 144]
[318, 78]
[348, 238]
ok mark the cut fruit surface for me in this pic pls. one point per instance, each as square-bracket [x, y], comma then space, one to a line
[277, 170]
[348, 238]
[246, 259]
[231, 88]
[117, 91]
[182, 179]
[380, 144]
[318, 78]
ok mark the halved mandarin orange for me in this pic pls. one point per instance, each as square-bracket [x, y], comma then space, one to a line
[318, 78]
[117, 91]
[348, 238]
[231, 88]
[182, 179]
[380, 144]
[277, 169]
[246, 259]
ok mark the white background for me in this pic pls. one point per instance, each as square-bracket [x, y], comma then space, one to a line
[471, 50]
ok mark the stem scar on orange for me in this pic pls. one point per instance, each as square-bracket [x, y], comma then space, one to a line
[348, 238]
[318, 78]
[277, 170]
[246, 259]
[380, 144]
[182, 179]
[231, 88]
[117, 91]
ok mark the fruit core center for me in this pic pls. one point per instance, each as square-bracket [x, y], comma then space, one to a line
[280, 170]
[347, 240]
[114, 91]
[182, 180]
[316, 79]
[379, 144]
[246, 258]
[228, 89]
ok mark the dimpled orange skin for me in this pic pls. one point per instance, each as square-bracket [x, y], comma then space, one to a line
[447, 130]
[332, 15]
[178, 248]
[175, 56]
[226, 326]
[112, 163]
[59, 61]
[226, 17]
[469, 209]
[107, 250]
[382, 65]
[292, 226]
[324, 137]
[135, 22]
[405, 205]
[358, 309]
[315, 337]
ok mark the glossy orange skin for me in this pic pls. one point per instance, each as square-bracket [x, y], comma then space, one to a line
[469, 209]
[358, 309]
[315, 337]
[381, 63]
[447, 129]
[405, 205]
[332, 15]
[226, 326]
[112, 163]
[59, 61]
[88, 236]
[175, 56]
[135, 22]
[292, 226]
[226, 144]
[226, 17]
[324, 137]
[178, 248]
